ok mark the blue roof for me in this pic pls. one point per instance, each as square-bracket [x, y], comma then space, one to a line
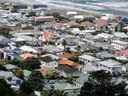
[16, 50]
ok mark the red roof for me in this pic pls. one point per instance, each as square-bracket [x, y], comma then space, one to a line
[43, 18]
[102, 22]
[122, 53]
[65, 61]
[26, 56]
[47, 35]
[68, 55]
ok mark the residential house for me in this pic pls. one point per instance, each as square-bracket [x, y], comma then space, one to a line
[120, 35]
[113, 66]
[87, 58]
[6, 74]
[14, 82]
[119, 45]
[104, 36]
[104, 55]
[10, 66]
[122, 53]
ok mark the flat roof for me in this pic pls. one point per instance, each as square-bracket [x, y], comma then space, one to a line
[120, 35]
[88, 57]
[119, 41]
[110, 63]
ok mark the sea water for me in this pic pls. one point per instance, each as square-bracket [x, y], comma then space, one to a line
[117, 7]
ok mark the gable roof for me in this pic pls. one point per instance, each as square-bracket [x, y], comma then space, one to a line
[65, 61]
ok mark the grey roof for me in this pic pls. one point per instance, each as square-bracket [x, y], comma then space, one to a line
[88, 57]
[104, 54]
[10, 66]
[6, 74]
[4, 40]
[110, 63]
[63, 85]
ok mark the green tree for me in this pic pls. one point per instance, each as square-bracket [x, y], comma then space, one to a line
[59, 93]
[5, 89]
[87, 89]
[35, 82]
[101, 76]
[56, 14]
[29, 64]
[27, 88]
[38, 80]
[78, 48]
[33, 63]
[64, 43]
[100, 84]
[119, 27]
[5, 31]
[46, 58]
[45, 93]
[2, 68]
[53, 92]
[31, 14]
[68, 49]
[120, 89]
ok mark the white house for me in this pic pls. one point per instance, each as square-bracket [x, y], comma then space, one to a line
[110, 65]
[120, 35]
[76, 31]
[6, 74]
[87, 58]
[10, 66]
[118, 44]
[78, 17]
[14, 82]
[103, 36]
[104, 55]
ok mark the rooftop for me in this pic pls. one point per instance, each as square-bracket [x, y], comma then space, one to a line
[110, 63]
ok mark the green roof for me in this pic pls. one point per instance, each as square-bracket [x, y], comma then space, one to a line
[27, 73]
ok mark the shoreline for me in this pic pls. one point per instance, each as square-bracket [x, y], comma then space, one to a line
[63, 10]
[83, 11]
[80, 7]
